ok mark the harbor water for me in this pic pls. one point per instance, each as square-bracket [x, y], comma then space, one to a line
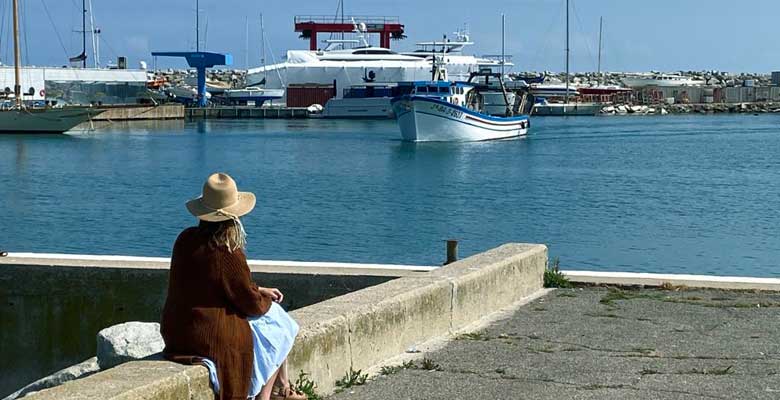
[675, 194]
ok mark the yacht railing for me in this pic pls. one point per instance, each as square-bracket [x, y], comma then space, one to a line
[330, 19]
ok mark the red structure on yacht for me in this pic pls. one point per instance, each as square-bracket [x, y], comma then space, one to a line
[310, 26]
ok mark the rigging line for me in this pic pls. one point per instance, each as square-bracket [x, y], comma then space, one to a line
[547, 36]
[25, 36]
[111, 49]
[59, 37]
[273, 60]
[4, 49]
[582, 34]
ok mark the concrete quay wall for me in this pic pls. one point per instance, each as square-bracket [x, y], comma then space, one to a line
[238, 112]
[357, 330]
[141, 112]
[52, 306]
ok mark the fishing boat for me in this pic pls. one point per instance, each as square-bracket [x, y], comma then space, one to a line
[444, 111]
[18, 118]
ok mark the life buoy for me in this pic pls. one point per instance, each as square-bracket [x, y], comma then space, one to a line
[42, 93]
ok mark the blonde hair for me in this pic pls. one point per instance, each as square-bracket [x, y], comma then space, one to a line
[229, 234]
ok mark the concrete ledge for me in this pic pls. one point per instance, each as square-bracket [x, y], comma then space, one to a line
[362, 329]
[260, 266]
[697, 281]
[146, 380]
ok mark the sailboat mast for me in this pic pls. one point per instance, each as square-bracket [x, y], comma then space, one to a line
[246, 43]
[262, 41]
[601, 24]
[84, 33]
[567, 52]
[17, 58]
[197, 25]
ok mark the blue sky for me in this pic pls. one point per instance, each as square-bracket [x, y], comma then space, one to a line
[638, 35]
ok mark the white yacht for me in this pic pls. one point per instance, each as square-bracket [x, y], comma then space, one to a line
[658, 79]
[353, 62]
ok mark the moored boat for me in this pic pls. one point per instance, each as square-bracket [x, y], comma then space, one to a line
[21, 119]
[44, 120]
[443, 111]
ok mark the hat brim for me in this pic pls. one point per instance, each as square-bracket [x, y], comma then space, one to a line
[244, 205]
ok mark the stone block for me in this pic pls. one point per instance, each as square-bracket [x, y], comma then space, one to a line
[128, 341]
[489, 281]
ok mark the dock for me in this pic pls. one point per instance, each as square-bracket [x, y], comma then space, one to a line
[234, 112]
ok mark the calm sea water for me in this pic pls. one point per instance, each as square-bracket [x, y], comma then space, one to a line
[678, 194]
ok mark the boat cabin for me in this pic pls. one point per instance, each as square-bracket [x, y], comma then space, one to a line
[451, 92]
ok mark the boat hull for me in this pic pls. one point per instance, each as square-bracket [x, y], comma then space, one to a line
[367, 108]
[43, 121]
[423, 119]
[555, 109]
[640, 82]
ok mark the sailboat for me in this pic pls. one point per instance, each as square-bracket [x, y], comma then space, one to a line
[565, 108]
[21, 119]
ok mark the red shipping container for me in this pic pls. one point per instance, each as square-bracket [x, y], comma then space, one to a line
[306, 95]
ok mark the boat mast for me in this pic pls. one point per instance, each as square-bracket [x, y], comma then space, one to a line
[84, 33]
[95, 32]
[601, 24]
[503, 60]
[567, 53]
[197, 25]
[246, 43]
[262, 40]
[17, 58]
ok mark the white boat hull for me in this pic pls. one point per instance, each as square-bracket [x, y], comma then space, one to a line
[369, 107]
[423, 119]
[640, 82]
[559, 109]
[43, 120]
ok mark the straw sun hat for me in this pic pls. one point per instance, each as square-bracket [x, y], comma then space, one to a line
[221, 200]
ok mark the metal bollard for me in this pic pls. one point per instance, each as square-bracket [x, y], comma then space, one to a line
[452, 251]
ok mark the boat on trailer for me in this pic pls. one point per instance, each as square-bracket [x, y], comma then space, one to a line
[444, 111]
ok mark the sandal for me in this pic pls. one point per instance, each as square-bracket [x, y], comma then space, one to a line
[287, 393]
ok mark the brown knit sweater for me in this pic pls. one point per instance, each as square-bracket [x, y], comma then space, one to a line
[210, 294]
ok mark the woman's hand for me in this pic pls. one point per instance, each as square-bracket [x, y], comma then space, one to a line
[273, 293]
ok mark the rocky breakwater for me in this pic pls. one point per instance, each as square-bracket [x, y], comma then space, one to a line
[115, 345]
[706, 108]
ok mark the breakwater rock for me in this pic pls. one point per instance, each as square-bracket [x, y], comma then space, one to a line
[706, 108]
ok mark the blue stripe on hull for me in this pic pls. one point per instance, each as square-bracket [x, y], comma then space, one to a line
[465, 110]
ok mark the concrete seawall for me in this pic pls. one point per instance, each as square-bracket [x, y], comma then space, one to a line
[52, 306]
[356, 330]
[141, 112]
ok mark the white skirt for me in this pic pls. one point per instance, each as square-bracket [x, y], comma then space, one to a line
[273, 335]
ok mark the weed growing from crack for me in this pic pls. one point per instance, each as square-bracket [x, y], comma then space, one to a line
[352, 378]
[553, 277]
[429, 365]
[307, 386]
[392, 369]
[473, 336]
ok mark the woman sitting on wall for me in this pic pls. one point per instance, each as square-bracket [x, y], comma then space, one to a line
[215, 314]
